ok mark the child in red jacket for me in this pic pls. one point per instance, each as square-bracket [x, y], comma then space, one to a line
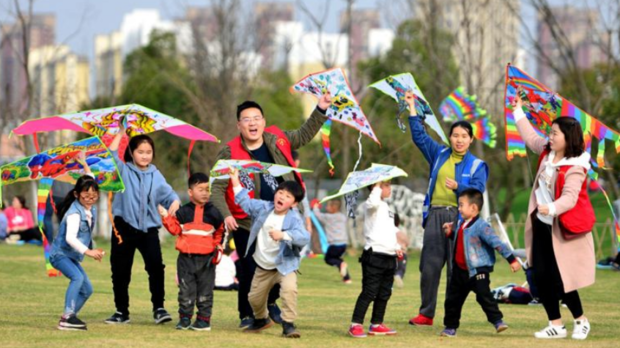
[199, 227]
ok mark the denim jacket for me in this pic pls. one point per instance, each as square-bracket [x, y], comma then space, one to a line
[288, 257]
[436, 155]
[60, 247]
[480, 243]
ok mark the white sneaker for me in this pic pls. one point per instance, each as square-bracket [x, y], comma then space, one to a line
[581, 330]
[551, 331]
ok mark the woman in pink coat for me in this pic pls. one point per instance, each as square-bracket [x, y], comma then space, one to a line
[560, 266]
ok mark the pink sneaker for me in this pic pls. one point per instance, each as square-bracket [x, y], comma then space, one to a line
[421, 320]
[357, 331]
[380, 330]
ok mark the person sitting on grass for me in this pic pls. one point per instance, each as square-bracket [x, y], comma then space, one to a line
[474, 257]
[279, 233]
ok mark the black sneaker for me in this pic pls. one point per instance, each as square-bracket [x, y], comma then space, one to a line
[246, 322]
[289, 330]
[118, 318]
[201, 324]
[275, 313]
[184, 323]
[259, 325]
[161, 316]
[71, 323]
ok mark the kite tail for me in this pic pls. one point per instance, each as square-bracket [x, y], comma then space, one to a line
[45, 186]
[326, 131]
[111, 217]
[611, 208]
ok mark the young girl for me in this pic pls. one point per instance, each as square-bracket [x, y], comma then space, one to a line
[561, 266]
[74, 240]
[136, 225]
[453, 170]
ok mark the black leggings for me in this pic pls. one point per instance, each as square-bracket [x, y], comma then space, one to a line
[547, 275]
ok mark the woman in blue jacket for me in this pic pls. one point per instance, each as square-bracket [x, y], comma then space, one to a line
[452, 170]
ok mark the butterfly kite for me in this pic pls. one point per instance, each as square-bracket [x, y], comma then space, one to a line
[461, 106]
[396, 86]
[344, 107]
[542, 106]
[60, 163]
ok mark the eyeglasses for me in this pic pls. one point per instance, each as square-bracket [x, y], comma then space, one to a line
[247, 120]
[90, 197]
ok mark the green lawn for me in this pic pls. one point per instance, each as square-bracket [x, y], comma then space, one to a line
[32, 303]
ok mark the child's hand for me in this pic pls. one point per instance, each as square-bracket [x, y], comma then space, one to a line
[96, 254]
[234, 176]
[81, 157]
[410, 100]
[174, 207]
[447, 228]
[515, 266]
[315, 203]
[276, 235]
[162, 211]
[400, 253]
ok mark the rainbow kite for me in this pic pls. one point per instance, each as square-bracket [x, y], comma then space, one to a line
[461, 106]
[542, 106]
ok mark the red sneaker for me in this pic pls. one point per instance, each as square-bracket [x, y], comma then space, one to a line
[380, 330]
[357, 331]
[421, 320]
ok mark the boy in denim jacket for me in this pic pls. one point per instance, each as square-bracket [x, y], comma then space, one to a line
[276, 239]
[474, 257]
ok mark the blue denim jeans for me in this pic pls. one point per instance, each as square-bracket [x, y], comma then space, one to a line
[79, 289]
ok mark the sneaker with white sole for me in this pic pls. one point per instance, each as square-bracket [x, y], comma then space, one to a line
[161, 316]
[581, 330]
[551, 331]
[71, 322]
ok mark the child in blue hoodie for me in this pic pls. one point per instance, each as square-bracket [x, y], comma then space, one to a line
[136, 225]
[74, 240]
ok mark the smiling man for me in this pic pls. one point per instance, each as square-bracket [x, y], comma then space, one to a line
[265, 144]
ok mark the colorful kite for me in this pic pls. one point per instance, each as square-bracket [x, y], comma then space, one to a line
[461, 106]
[344, 108]
[221, 169]
[542, 106]
[396, 86]
[60, 163]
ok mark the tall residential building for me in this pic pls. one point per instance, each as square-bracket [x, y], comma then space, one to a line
[487, 36]
[364, 22]
[266, 15]
[13, 80]
[108, 64]
[579, 27]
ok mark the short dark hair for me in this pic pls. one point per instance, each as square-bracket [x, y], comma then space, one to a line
[294, 188]
[295, 155]
[462, 124]
[474, 197]
[573, 135]
[134, 142]
[196, 179]
[248, 104]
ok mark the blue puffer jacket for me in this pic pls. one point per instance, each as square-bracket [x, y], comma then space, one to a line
[480, 243]
[60, 247]
[471, 172]
[288, 257]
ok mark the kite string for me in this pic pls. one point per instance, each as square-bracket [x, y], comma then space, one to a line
[359, 145]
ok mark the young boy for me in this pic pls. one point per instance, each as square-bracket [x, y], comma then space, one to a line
[279, 233]
[474, 257]
[199, 227]
[378, 262]
[335, 223]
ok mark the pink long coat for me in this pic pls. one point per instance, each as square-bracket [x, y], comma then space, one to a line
[575, 258]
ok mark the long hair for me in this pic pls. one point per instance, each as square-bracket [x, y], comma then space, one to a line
[133, 145]
[84, 183]
[573, 135]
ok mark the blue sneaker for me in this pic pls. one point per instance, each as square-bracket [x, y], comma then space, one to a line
[500, 326]
[275, 313]
[448, 332]
[246, 322]
[184, 323]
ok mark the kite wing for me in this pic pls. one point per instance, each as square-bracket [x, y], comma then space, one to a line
[357, 180]
[396, 86]
[221, 169]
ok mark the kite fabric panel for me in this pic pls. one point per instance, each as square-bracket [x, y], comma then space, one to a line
[360, 179]
[396, 86]
[459, 106]
[60, 163]
[221, 169]
[137, 119]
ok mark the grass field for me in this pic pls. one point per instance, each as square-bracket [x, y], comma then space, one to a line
[31, 304]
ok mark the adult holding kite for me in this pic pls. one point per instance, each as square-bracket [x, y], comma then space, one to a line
[453, 169]
[269, 145]
[560, 252]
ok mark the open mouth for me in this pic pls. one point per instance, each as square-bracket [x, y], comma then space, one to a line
[279, 204]
[253, 131]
